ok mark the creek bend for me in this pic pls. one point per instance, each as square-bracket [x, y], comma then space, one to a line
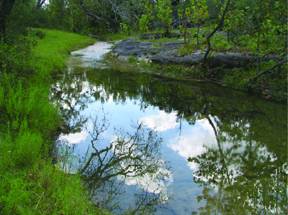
[183, 146]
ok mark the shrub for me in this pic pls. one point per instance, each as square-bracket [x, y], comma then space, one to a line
[144, 23]
[125, 28]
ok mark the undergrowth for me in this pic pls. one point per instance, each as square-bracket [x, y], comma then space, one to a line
[30, 183]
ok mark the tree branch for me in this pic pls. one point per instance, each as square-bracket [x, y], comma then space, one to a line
[219, 26]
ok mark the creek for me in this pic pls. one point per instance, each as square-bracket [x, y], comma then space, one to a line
[191, 147]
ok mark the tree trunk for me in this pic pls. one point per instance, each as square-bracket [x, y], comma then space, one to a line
[185, 35]
[197, 36]
[258, 51]
[2, 26]
[5, 10]
[40, 3]
[218, 27]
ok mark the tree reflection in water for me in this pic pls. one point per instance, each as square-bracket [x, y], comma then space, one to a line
[239, 175]
[128, 158]
[244, 172]
[72, 94]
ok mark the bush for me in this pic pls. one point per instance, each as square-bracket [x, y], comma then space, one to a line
[125, 28]
[20, 103]
[15, 58]
[144, 23]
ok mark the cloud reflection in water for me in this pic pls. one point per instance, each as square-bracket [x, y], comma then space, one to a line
[160, 122]
[194, 140]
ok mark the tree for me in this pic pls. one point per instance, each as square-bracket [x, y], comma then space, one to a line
[6, 7]
[40, 3]
[220, 24]
[184, 13]
[195, 12]
[146, 17]
[56, 11]
[108, 14]
[164, 14]
[199, 15]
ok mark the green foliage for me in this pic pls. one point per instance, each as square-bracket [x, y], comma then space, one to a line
[144, 23]
[199, 15]
[195, 12]
[27, 148]
[20, 18]
[51, 53]
[199, 11]
[125, 28]
[146, 18]
[14, 197]
[29, 104]
[29, 183]
[164, 14]
[64, 192]
[262, 22]
[57, 13]
[14, 58]
[221, 44]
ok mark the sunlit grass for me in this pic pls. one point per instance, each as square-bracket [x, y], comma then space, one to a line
[30, 184]
[51, 52]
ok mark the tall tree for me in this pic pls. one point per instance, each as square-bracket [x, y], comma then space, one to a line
[164, 14]
[199, 14]
[6, 7]
[224, 10]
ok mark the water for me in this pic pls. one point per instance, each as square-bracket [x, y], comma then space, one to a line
[213, 150]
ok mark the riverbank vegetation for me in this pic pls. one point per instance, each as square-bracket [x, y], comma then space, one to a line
[30, 55]
[268, 86]
[30, 184]
[255, 31]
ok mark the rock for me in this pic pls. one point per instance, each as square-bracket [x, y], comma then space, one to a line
[150, 36]
[153, 36]
[171, 45]
[173, 58]
[132, 47]
[168, 53]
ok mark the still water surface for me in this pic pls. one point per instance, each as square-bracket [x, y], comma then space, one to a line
[214, 151]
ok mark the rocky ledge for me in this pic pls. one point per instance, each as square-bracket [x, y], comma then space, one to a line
[168, 53]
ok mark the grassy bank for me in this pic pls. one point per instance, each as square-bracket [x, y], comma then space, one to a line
[52, 50]
[30, 184]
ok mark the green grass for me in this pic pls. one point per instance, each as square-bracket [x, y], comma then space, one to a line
[30, 184]
[51, 52]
